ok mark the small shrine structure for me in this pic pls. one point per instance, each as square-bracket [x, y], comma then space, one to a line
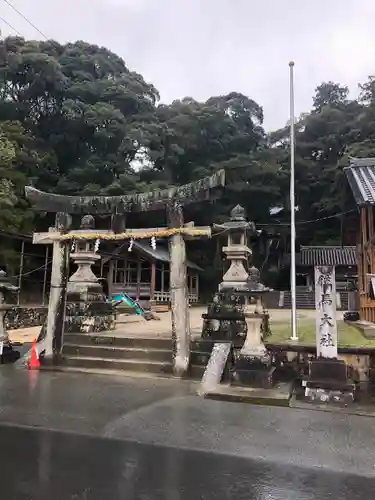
[361, 178]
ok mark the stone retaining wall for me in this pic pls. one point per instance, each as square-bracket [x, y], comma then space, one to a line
[24, 317]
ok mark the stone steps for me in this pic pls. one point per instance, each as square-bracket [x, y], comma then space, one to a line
[153, 356]
[116, 341]
[127, 354]
[306, 300]
[132, 365]
[116, 352]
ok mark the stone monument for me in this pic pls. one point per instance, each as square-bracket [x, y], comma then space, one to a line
[328, 379]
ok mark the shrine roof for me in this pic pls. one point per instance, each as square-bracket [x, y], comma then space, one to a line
[161, 253]
[328, 256]
[361, 178]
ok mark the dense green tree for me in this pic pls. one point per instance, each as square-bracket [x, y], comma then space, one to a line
[329, 94]
[84, 103]
[75, 119]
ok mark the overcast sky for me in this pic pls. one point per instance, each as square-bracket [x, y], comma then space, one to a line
[201, 48]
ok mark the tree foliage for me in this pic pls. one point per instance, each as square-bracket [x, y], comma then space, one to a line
[74, 119]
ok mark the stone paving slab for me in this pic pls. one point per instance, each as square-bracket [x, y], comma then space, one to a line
[277, 396]
[24, 335]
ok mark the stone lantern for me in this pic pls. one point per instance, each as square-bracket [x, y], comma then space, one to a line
[5, 288]
[236, 250]
[87, 308]
[230, 316]
[84, 255]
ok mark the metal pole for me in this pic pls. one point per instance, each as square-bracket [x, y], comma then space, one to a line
[20, 273]
[45, 277]
[292, 209]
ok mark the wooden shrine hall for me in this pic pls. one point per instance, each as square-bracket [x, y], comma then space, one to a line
[361, 178]
[143, 273]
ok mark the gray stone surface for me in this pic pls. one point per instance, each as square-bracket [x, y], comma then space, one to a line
[69, 436]
[165, 412]
[45, 465]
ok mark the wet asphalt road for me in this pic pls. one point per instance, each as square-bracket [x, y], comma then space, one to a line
[66, 436]
[51, 465]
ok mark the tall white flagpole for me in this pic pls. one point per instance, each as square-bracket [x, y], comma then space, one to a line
[292, 209]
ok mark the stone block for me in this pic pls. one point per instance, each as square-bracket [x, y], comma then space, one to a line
[25, 317]
[328, 382]
[253, 372]
[89, 317]
[326, 396]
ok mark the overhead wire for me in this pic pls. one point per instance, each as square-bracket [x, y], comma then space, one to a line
[9, 26]
[218, 233]
[33, 270]
[312, 221]
[25, 18]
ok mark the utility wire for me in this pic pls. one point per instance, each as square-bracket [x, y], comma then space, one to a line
[25, 18]
[286, 224]
[9, 26]
[33, 270]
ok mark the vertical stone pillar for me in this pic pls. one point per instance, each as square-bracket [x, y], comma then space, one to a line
[328, 380]
[325, 304]
[52, 342]
[179, 294]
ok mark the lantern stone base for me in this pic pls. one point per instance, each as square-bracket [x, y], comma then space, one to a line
[253, 366]
[328, 382]
[88, 316]
[253, 372]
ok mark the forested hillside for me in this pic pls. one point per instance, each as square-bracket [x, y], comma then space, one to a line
[74, 119]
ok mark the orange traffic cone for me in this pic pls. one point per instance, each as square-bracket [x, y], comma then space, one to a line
[34, 362]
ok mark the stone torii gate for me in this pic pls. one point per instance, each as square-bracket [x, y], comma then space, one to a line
[170, 200]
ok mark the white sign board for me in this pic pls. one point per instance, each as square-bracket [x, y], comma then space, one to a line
[325, 304]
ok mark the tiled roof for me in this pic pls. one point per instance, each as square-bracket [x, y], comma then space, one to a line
[361, 177]
[328, 256]
[161, 253]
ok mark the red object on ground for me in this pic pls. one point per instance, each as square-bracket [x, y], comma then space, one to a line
[34, 362]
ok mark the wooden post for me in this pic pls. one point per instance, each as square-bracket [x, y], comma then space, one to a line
[364, 255]
[139, 269]
[162, 278]
[178, 291]
[52, 343]
[153, 279]
[111, 266]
